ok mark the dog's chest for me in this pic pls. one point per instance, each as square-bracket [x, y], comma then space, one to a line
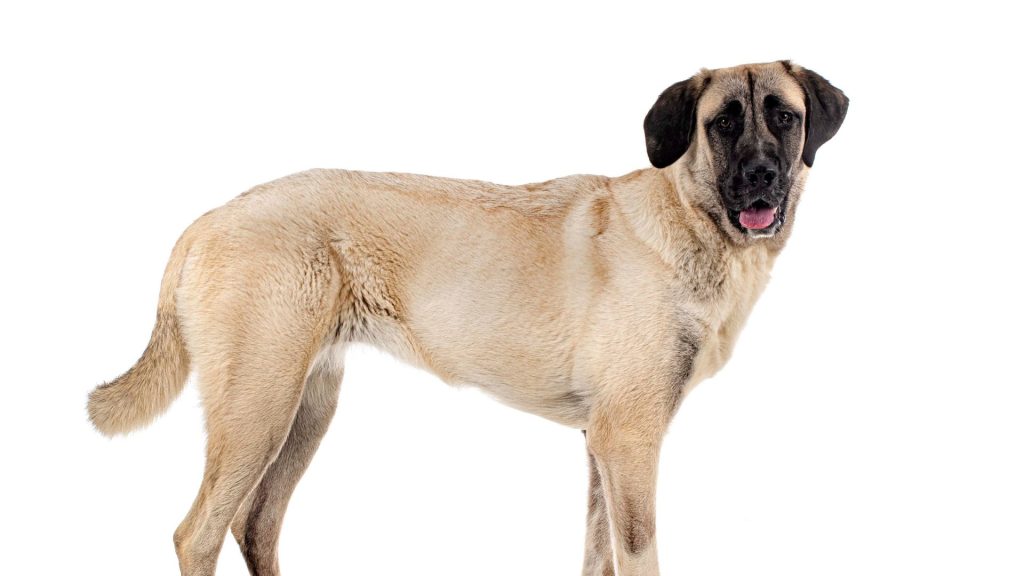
[725, 313]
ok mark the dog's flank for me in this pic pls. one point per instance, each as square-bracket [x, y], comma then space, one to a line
[595, 302]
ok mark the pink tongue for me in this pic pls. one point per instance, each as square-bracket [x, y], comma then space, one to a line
[757, 218]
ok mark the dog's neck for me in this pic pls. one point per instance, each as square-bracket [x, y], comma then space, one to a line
[686, 238]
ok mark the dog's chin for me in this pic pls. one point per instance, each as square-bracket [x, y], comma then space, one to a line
[760, 219]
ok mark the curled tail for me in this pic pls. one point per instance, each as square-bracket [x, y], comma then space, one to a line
[147, 389]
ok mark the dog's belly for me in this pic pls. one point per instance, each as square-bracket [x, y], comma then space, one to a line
[525, 363]
[513, 334]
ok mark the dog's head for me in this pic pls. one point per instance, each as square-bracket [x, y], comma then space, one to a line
[746, 137]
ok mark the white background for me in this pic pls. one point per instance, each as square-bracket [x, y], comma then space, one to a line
[870, 421]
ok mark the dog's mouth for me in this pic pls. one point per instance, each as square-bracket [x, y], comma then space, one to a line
[760, 218]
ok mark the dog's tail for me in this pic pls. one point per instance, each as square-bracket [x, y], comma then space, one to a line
[147, 389]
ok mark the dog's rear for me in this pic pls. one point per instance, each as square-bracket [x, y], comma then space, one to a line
[248, 300]
[148, 388]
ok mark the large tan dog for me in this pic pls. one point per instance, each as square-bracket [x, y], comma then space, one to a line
[595, 302]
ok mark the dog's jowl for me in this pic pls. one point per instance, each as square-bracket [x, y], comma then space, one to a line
[595, 302]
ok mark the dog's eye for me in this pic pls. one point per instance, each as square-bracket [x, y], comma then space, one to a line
[785, 118]
[723, 123]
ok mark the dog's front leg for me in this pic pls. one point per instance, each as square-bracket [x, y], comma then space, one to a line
[597, 554]
[624, 442]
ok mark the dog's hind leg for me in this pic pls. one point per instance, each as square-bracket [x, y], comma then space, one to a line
[257, 524]
[246, 428]
[254, 327]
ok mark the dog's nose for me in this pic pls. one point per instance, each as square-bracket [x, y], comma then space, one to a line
[760, 175]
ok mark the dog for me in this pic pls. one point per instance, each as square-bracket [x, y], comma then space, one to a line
[595, 302]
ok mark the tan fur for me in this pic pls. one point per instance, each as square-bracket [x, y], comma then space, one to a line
[146, 390]
[594, 302]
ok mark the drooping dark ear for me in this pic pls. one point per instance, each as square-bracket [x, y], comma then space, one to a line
[670, 124]
[826, 108]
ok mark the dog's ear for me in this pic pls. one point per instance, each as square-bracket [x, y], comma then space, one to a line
[670, 124]
[826, 107]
